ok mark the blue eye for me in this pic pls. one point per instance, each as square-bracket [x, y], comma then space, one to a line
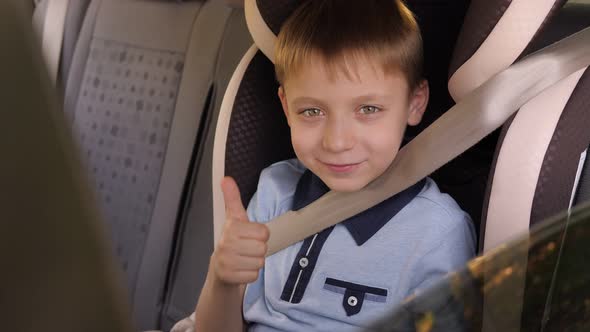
[310, 112]
[369, 109]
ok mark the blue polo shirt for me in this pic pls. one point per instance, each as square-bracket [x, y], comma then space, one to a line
[352, 274]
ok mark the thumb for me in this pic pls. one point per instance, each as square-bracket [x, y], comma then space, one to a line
[234, 208]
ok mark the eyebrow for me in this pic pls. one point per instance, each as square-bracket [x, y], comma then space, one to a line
[372, 96]
[304, 99]
[358, 99]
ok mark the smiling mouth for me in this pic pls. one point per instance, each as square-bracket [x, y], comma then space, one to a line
[342, 168]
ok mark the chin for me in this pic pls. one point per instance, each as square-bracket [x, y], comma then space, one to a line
[346, 186]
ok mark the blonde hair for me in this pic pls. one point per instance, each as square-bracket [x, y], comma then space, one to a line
[341, 32]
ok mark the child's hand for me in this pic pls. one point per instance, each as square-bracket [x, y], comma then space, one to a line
[240, 253]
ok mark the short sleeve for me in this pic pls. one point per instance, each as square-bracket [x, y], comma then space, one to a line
[255, 211]
[275, 190]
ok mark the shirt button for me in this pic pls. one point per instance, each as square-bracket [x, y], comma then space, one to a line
[352, 301]
[303, 262]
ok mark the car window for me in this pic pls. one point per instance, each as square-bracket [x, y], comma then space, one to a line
[538, 282]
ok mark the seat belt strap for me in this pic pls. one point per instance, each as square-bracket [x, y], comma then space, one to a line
[477, 115]
[53, 33]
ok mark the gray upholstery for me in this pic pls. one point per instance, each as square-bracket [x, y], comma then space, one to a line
[136, 93]
[195, 231]
[74, 19]
[123, 125]
[73, 23]
[39, 14]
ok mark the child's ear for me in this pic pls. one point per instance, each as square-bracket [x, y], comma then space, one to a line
[418, 103]
[283, 98]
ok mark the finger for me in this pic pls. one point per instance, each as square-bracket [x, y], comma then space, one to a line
[249, 263]
[233, 201]
[232, 263]
[253, 231]
[251, 248]
[243, 277]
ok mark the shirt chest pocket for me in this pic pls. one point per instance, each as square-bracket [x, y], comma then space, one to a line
[354, 295]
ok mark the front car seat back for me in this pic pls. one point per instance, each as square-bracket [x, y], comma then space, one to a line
[137, 91]
[57, 274]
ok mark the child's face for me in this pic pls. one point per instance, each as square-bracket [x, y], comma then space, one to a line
[348, 130]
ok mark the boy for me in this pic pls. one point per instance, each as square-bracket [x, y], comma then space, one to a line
[349, 74]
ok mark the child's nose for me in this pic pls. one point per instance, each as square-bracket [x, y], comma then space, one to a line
[338, 136]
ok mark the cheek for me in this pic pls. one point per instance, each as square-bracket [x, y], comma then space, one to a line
[303, 140]
[385, 150]
[386, 139]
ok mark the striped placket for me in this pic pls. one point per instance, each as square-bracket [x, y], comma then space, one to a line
[303, 266]
[361, 227]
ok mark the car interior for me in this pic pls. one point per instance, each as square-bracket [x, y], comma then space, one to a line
[158, 100]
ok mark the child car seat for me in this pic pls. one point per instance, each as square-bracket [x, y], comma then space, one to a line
[536, 161]
[537, 281]
[247, 141]
[251, 130]
[541, 150]
[251, 121]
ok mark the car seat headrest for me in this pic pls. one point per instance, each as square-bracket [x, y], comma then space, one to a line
[248, 141]
[242, 133]
[264, 20]
[265, 17]
[494, 35]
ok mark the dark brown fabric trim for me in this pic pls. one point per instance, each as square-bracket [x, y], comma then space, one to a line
[546, 201]
[531, 47]
[570, 139]
[565, 22]
[275, 12]
[554, 187]
[482, 16]
[258, 134]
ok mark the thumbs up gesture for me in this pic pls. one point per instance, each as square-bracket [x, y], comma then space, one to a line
[240, 253]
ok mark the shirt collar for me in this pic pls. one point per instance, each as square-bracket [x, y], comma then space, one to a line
[365, 224]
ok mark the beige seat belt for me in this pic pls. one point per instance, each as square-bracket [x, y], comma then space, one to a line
[478, 114]
[53, 33]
